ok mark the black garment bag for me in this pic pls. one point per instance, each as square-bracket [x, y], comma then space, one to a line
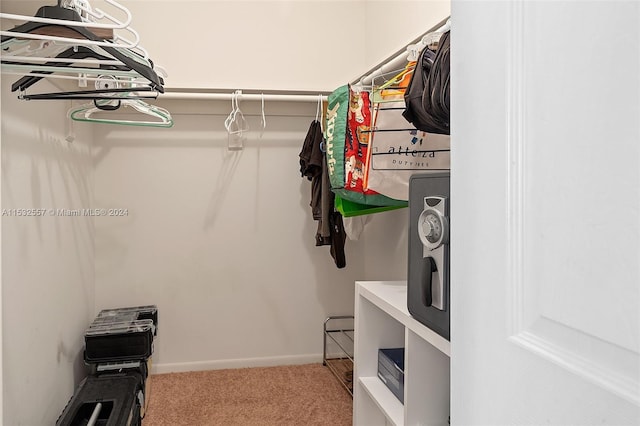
[427, 96]
[435, 97]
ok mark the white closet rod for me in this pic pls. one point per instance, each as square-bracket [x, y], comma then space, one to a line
[283, 97]
[395, 62]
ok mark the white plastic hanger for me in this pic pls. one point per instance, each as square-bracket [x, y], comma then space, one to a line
[235, 123]
[433, 37]
[90, 18]
[88, 14]
[319, 108]
[84, 6]
[413, 51]
[263, 119]
[79, 41]
[320, 112]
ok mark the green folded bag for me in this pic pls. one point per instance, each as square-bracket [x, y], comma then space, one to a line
[349, 208]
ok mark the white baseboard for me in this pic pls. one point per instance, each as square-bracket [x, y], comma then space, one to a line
[178, 367]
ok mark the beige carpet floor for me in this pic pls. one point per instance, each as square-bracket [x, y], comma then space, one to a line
[289, 395]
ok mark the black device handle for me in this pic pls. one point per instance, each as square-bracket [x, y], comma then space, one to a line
[427, 270]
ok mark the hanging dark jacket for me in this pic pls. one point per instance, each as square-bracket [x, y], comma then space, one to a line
[427, 97]
[435, 98]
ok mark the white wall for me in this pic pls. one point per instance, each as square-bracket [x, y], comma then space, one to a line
[385, 245]
[222, 241]
[285, 45]
[47, 261]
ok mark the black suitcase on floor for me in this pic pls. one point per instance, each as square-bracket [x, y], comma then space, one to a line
[105, 401]
[137, 369]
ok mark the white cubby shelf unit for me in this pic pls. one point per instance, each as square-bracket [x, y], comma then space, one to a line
[383, 321]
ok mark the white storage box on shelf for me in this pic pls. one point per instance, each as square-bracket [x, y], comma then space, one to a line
[383, 321]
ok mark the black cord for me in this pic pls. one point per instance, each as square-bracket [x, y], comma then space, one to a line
[106, 107]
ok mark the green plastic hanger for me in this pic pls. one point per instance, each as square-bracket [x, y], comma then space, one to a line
[87, 113]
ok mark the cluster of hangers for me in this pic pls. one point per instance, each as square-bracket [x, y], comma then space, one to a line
[387, 76]
[236, 124]
[74, 41]
[388, 85]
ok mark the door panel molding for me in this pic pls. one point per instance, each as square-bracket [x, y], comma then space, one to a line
[598, 361]
[608, 366]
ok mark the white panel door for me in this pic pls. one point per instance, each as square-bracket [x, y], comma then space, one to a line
[545, 213]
